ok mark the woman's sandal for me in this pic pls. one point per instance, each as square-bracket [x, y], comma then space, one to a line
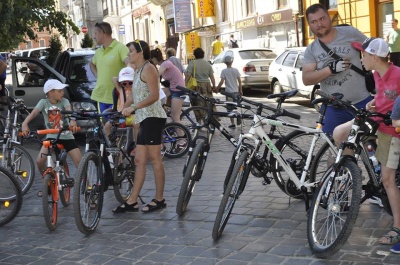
[126, 208]
[152, 208]
[390, 239]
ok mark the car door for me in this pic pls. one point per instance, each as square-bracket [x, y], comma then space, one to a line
[297, 71]
[287, 75]
[28, 83]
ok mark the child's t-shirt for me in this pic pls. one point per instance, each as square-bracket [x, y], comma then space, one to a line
[231, 75]
[53, 119]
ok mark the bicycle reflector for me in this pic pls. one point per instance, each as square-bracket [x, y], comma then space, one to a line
[6, 204]
[22, 173]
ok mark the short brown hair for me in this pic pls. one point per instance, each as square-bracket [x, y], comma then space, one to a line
[314, 8]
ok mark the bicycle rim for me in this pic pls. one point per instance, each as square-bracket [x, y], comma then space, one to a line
[49, 192]
[330, 224]
[65, 192]
[10, 196]
[123, 182]
[88, 194]
[18, 160]
[190, 177]
[175, 140]
[239, 173]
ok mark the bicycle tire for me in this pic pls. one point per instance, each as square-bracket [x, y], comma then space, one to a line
[49, 190]
[21, 165]
[189, 117]
[239, 174]
[11, 196]
[124, 173]
[292, 150]
[65, 192]
[329, 225]
[2, 126]
[170, 140]
[191, 176]
[88, 194]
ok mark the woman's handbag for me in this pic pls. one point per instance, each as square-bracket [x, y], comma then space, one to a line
[192, 82]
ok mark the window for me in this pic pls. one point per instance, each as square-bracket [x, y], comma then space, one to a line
[256, 54]
[42, 43]
[289, 61]
[280, 58]
[80, 70]
[29, 44]
[251, 7]
[332, 4]
[282, 4]
[299, 62]
[224, 9]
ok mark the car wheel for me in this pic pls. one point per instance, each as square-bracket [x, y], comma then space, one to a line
[276, 88]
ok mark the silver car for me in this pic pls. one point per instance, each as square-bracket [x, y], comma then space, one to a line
[253, 65]
[285, 73]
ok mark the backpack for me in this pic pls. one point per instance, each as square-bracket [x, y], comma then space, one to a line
[234, 44]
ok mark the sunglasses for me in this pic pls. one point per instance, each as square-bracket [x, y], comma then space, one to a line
[100, 27]
[126, 83]
[138, 42]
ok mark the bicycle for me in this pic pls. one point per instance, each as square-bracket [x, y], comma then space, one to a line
[175, 140]
[13, 155]
[198, 151]
[246, 155]
[57, 182]
[11, 196]
[337, 200]
[106, 162]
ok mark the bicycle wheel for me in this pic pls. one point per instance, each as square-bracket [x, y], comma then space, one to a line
[18, 160]
[175, 140]
[88, 194]
[240, 174]
[2, 126]
[66, 181]
[192, 174]
[294, 148]
[192, 116]
[334, 209]
[10, 196]
[49, 195]
[124, 173]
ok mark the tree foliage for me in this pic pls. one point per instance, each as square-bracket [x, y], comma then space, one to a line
[55, 49]
[87, 41]
[20, 18]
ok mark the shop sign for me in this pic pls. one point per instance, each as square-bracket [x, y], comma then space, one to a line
[205, 8]
[140, 11]
[205, 33]
[246, 23]
[192, 42]
[277, 17]
[183, 15]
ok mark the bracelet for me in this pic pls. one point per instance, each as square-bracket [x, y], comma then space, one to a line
[134, 107]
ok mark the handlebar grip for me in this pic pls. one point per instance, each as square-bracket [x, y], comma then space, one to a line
[48, 131]
[67, 112]
[291, 115]
[397, 129]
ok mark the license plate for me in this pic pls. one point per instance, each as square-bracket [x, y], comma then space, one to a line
[264, 68]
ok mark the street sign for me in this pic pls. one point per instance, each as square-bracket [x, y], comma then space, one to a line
[121, 29]
[84, 30]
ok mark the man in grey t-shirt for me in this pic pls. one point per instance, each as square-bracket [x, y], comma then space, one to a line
[334, 76]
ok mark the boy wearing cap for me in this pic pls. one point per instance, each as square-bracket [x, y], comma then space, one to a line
[51, 108]
[233, 83]
[387, 81]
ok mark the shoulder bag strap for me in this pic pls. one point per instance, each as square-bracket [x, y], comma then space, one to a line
[194, 69]
[332, 54]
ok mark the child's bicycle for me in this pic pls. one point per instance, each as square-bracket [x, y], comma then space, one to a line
[57, 182]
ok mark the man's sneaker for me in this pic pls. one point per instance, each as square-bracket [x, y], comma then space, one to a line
[395, 248]
[376, 200]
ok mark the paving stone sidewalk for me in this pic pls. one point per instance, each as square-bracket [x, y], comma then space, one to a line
[265, 228]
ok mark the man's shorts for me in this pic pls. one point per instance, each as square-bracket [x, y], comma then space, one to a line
[388, 151]
[69, 144]
[150, 131]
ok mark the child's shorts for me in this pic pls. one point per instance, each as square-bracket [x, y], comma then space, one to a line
[388, 151]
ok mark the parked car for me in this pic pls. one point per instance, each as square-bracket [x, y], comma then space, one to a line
[253, 65]
[285, 72]
[71, 67]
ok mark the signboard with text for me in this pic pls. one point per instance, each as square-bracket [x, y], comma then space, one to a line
[205, 8]
[183, 15]
[192, 42]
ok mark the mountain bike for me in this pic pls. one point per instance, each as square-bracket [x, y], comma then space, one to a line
[13, 155]
[245, 158]
[57, 182]
[337, 200]
[11, 196]
[175, 140]
[106, 162]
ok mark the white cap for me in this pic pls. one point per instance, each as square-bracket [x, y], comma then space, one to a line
[126, 74]
[374, 46]
[53, 84]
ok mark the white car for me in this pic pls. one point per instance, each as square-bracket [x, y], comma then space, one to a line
[285, 73]
[253, 65]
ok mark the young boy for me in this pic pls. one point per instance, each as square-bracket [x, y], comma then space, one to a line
[387, 79]
[51, 108]
[233, 83]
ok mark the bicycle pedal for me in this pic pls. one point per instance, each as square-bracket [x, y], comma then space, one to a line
[70, 182]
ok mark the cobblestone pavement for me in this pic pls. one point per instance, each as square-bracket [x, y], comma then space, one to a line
[265, 228]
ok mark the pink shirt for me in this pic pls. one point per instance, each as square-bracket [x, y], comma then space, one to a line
[388, 89]
[173, 75]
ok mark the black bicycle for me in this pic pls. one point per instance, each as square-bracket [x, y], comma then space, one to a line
[10, 196]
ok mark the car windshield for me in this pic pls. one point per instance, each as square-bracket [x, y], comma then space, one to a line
[256, 54]
[80, 70]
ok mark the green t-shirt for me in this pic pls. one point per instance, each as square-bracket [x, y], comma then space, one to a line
[394, 41]
[53, 119]
[108, 62]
